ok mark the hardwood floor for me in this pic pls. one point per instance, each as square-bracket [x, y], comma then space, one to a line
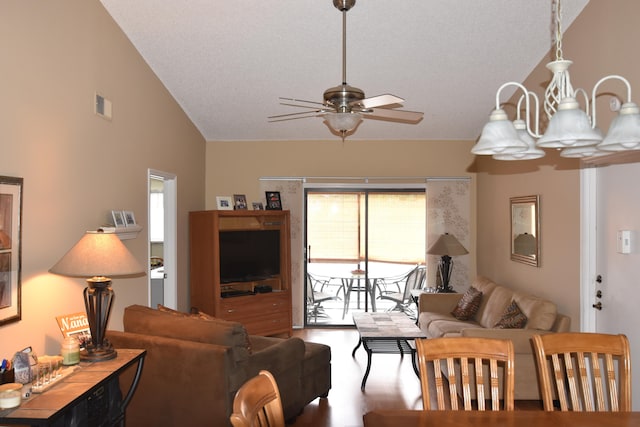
[392, 384]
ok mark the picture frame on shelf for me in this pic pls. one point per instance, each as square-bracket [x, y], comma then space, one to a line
[257, 206]
[118, 218]
[129, 218]
[10, 249]
[239, 202]
[274, 203]
[224, 203]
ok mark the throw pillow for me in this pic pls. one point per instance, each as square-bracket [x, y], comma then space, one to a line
[468, 305]
[512, 318]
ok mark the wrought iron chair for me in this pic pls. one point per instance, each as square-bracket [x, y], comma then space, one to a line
[316, 298]
[257, 403]
[415, 279]
[584, 371]
[466, 366]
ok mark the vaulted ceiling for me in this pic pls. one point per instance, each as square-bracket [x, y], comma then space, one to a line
[227, 62]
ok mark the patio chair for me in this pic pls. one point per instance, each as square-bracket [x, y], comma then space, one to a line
[414, 280]
[316, 298]
[578, 370]
[394, 284]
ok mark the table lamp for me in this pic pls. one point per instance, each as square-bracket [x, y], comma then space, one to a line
[447, 245]
[96, 255]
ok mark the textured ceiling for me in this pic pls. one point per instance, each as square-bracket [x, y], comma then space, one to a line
[227, 62]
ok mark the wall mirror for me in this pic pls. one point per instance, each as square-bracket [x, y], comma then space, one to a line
[525, 230]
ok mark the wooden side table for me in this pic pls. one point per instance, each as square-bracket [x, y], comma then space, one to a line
[89, 396]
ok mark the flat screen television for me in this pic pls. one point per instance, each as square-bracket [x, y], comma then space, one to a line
[249, 255]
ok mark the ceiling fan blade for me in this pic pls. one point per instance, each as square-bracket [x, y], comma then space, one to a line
[291, 116]
[380, 100]
[299, 100]
[394, 115]
[314, 107]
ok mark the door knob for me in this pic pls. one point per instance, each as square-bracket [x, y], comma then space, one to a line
[597, 306]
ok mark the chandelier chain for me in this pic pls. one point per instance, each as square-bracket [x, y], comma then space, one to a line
[558, 29]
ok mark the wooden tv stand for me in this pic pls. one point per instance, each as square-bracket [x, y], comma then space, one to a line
[262, 313]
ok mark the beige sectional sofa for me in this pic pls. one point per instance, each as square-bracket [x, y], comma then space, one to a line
[436, 320]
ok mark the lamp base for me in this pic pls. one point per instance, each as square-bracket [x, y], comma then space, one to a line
[97, 355]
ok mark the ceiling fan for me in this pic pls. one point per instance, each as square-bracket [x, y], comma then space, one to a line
[344, 106]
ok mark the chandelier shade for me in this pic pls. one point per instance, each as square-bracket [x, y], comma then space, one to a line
[624, 132]
[532, 152]
[499, 136]
[569, 127]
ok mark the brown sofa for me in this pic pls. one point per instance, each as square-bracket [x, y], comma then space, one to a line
[195, 365]
[436, 320]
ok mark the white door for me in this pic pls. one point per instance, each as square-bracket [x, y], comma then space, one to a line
[162, 238]
[610, 275]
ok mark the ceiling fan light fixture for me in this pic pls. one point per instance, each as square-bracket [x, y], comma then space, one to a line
[343, 122]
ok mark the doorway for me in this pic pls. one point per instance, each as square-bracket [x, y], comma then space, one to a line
[360, 244]
[162, 245]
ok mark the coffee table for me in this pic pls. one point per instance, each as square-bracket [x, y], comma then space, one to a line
[390, 333]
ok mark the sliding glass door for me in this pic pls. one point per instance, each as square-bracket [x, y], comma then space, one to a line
[360, 244]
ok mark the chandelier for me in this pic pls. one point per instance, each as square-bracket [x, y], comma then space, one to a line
[570, 129]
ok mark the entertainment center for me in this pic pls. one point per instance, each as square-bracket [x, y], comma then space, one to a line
[240, 268]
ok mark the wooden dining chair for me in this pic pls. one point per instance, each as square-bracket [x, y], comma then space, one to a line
[257, 403]
[584, 371]
[466, 368]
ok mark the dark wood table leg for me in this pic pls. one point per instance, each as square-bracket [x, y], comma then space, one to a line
[366, 373]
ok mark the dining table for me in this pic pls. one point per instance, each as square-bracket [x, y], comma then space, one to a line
[417, 418]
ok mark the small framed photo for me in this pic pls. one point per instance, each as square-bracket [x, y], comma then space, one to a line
[129, 218]
[118, 218]
[257, 206]
[224, 203]
[273, 201]
[239, 202]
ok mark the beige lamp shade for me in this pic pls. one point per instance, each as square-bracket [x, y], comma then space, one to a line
[447, 244]
[98, 254]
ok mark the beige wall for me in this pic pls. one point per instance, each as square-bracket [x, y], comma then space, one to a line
[77, 166]
[235, 167]
[601, 41]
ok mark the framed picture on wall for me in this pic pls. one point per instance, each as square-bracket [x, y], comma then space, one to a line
[118, 218]
[10, 249]
[129, 218]
[224, 203]
[273, 201]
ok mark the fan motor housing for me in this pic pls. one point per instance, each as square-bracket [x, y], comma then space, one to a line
[343, 5]
[343, 96]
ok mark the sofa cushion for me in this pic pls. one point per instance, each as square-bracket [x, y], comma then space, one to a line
[144, 320]
[493, 305]
[449, 327]
[468, 305]
[540, 312]
[512, 318]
